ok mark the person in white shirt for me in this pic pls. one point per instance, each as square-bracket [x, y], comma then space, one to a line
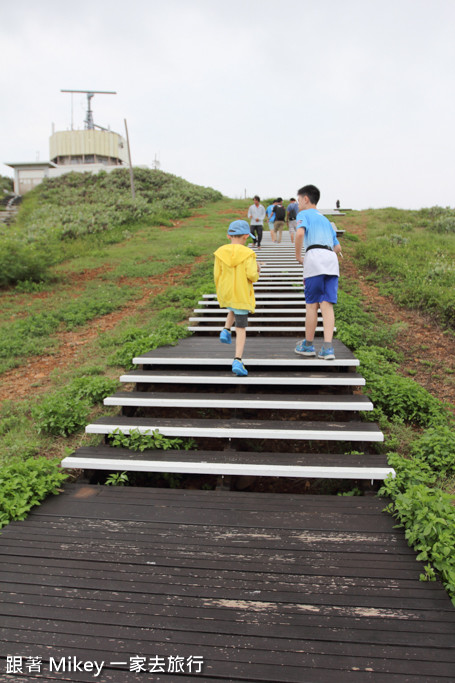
[256, 214]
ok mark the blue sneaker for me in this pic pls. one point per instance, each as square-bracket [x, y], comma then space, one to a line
[225, 336]
[304, 349]
[326, 353]
[239, 369]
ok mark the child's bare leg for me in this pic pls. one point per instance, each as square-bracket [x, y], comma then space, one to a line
[240, 338]
[311, 322]
[328, 320]
[229, 320]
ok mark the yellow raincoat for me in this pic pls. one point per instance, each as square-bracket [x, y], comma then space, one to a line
[235, 271]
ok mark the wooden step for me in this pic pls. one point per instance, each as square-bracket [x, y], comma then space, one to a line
[258, 378]
[260, 301]
[320, 466]
[255, 328]
[254, 318]
[348, 402]
[272, 352]
[260, 310]
[241, 429]
[263, 295]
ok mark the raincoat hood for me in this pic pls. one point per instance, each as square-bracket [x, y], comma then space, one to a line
[234, 254]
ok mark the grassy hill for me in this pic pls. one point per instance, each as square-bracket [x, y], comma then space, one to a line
[66, 216]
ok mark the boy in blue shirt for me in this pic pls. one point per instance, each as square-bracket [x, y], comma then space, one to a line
[320, 271]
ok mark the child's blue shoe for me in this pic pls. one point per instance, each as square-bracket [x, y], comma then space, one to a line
[304, 349]
[225, 336]
[326, 353]
[239, 369]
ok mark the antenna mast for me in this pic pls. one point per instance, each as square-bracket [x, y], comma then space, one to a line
[89, 124]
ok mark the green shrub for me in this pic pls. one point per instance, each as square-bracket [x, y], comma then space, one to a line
[428, 516]
[402, 399]
[25, 483]
[20, 261]
[61, 414]
[92, 389]
[137, 441]
[67, 411]
[436, 448]
[139, 341]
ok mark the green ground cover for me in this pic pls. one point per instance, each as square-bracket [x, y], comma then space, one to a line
[410, 255]
[419, 438]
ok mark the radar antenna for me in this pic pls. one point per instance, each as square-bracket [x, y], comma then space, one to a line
[89, 124]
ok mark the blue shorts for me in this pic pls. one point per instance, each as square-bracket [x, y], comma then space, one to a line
[321, 288]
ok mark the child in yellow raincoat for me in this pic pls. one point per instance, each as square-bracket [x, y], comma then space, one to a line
[235, 271]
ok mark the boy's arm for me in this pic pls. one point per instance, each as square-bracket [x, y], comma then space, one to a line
[336, 244]
[216, 271]
[299, 237]
[252, 270]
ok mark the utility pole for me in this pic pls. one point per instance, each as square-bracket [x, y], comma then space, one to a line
[129, 159]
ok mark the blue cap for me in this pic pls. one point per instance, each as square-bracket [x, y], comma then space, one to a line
[239, 228]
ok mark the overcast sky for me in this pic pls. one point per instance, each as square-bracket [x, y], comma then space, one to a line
[355, 96]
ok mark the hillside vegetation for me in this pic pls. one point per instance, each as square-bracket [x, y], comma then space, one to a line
[82, 205]
[410, 255]
[6, 189]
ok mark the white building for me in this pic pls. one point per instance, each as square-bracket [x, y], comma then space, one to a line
[76, 150]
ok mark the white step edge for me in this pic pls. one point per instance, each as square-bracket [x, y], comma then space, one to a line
[256, 317]
[251, 328]
[249, 380]
[291, 311]
[298, 295]
[211, 303]
[201, 467]
[240, 433]
[231, 403]
[252, 362]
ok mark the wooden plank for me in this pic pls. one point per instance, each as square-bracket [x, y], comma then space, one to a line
[224, 377]
[251, 457]
[262, 351]
[384, 628]
[255, 318]
[194, 465]
[350, 402]
[241, 429]
[262, 295]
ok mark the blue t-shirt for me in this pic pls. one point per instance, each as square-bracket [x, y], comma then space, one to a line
[269, 209]
[318, 229]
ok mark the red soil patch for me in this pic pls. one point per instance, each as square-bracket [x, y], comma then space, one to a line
[16, 383]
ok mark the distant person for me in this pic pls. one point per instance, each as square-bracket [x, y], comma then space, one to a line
[280, 216]
[270, 218]
[320, 271]
[291, 217]
[338, 204]
[235, 271]
[256, 213]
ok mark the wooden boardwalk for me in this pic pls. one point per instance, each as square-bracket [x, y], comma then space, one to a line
[217, 586]
[254, 587]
